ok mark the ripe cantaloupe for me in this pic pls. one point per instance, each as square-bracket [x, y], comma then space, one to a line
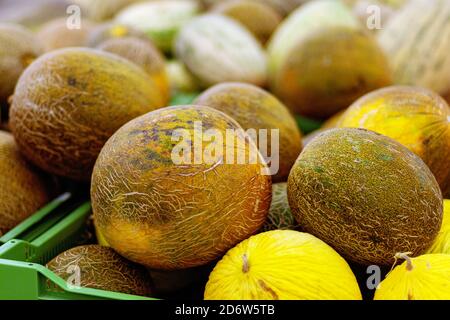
[282, 265]
[24, 189]
[166, 200]
[70, 101]
[17, 50]
[254, 108]
[417, 118]
[99, 267]
[366, 195]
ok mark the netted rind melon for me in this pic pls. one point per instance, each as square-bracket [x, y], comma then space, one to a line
[70, 101]
[164, 199]
[366, 195]
[99, 267]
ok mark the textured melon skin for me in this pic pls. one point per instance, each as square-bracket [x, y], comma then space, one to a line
[56, 35]
[102, 268]
[70, 101]
[24, 189]
[18, 49]
[366, 195]
[259, 18]
[282, 265]
[146, 55]
[173, 216]
[216, 49]
[418, 52]
[417, 118]
[254, 108]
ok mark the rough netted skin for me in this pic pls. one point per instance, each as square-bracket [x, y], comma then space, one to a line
[329, 69]
[24, 189]
[143, 53]
[366, 195]
[69, 102]
[56, 35]
[282, 265]
[17, 50]
[101, 268]
[261, 19]
[171, 216]
[280, 215]
[255, 108]
[417, 118]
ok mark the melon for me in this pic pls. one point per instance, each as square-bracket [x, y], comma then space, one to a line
[112, 30]
[282, 265]
[442, 242]
[366, 195]
[218, 49]
[17, 50]
[143, 53]
[55, 34]
[100, 10]
[256, 109]
[160, 20]
[164, 198]
[70, 101]
[283, 6]
[180, 79]
[259, 18]
[418, 118]
[98, 267]
[426, 277]
[321, 60]
[280, 216]
[24, 189]
[418, 51]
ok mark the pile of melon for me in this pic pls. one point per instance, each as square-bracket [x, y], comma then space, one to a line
[238, 149]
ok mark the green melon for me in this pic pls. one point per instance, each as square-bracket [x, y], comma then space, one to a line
[366, 195]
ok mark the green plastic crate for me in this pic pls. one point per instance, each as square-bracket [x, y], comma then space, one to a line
[27, 248]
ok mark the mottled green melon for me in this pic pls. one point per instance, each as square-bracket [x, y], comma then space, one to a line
[160, 20]
[55, 34]
[162, 207]
[257, 17]
[98, 267]
[24, 189]
[280, 215]
[143, 53]
[321, 60]
[216, 49]
[180, 79]
[366, 195]
[18, 48]
[70, 101]
[254, 108]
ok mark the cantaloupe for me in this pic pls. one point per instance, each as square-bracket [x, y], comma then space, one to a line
[257, 109]
[160, 20]
[426, 277]
[143, 53]
[216, 49]
[24, 189]
[442, 242]
[17, 50]
[70, 101]
[417, 41]
[280, 215]
[416, 117]
[56, 34]
[165, 198]
[99, 267]
[366, 195]
[321, 60]
[259, 18]
[282, 265]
